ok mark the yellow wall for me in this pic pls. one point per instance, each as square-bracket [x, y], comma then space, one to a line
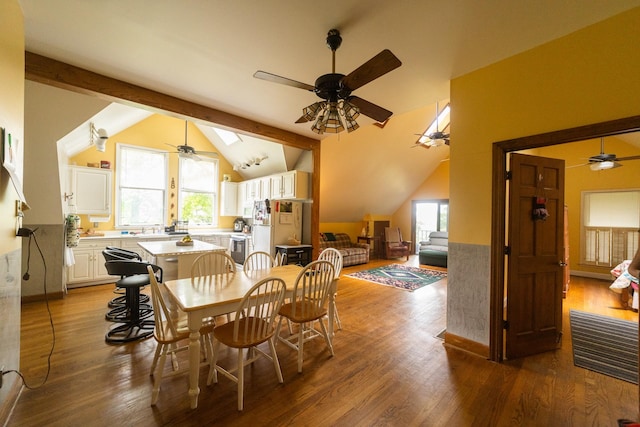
[353, 229]
[581, 178]
[586, 77]
[12, 119]
[435, 186]
[156, 132]
[11, 110]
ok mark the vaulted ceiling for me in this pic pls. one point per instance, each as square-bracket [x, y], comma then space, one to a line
[208, 52]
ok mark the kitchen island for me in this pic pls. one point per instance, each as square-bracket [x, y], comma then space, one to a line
[85, 265]
[175, 259]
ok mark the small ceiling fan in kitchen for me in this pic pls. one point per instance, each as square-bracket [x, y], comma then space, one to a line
[338, 108]
[187, 150]
[604, 160]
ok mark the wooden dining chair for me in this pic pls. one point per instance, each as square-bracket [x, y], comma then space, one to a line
[335, 258]
[258, 260]
[280, 259]
[211, 264]
[170, 329]
[253, 324]
[309, 302]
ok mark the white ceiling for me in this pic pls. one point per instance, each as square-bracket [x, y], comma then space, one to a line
[206, 51]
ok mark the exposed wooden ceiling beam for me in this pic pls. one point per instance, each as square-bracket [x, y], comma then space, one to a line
[49, 71]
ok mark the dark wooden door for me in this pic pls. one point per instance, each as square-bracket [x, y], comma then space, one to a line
[535, 264]
[378, 233]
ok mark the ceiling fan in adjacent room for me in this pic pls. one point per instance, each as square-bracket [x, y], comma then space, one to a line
[433, 136]
[339, 108]
[187, 150]
[604, 161]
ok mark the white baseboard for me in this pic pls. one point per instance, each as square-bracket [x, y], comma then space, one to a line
[601, 276]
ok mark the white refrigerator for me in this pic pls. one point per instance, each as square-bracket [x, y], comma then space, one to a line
[274, 222]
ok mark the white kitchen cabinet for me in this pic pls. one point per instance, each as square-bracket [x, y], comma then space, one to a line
[91, 189]
[290, 185]
[215, 239]
[229, 205]
[89, 262]
[265, 187]
[250, 191]
[131, 244]
[225, 239]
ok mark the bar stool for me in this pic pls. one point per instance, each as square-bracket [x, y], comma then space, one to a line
[132, 325]
[120, 300]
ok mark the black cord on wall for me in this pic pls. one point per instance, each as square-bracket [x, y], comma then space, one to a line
[25, 232]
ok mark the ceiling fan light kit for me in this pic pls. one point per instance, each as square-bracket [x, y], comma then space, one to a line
[604, 161]
[340, 109]
[333, 117]
[598, 166]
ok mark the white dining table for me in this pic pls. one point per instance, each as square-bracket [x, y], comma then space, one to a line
[176, 260]
[200, 298]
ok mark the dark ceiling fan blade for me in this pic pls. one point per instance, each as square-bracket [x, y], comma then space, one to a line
[377, 66]
[263, 75]
[628, 158]
[369, 109]
[302, 119]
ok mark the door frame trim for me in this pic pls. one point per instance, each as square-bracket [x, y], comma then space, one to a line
[499, 153]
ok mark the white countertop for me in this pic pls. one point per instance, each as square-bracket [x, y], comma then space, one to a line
[159, 236]
[163, 248]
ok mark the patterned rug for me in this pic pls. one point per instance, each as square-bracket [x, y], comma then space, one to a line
[605, 344]
[400, 276]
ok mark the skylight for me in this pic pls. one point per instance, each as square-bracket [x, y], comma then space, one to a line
[227, 136]
[439, 124]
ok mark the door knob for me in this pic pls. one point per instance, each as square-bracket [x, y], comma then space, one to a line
[562, 263]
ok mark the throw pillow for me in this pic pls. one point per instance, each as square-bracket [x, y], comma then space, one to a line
[330, 237]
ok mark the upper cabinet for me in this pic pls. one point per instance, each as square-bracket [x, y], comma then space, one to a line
[91, 189]
[287, 185]
[265, 187]
[229, 205]
[290, 185]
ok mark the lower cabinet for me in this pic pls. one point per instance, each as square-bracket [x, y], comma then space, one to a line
[215, 239]
[89, 262]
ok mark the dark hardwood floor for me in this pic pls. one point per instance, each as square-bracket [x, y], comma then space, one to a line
[389, 369]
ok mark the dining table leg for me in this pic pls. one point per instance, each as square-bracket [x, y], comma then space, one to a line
[195, 323]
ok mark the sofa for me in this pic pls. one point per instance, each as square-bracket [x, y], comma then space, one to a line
[435, 250]
[352, 253]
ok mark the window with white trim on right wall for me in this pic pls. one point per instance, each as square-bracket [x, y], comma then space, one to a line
[609, 229]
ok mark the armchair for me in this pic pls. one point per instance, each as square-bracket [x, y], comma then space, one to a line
[394, 246]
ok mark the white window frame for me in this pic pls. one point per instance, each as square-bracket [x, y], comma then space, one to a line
[215, 192]
[120, 170]
[603, 244]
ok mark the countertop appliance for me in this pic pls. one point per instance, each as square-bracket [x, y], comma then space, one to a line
[274, 222]
[238, 224]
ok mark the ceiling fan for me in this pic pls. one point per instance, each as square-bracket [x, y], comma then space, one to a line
[604, 161]
[187, 150]
[433, 136]
[335, 89]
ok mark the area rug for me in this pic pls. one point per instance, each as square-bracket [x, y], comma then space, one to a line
[400, 276]
[605, 344]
